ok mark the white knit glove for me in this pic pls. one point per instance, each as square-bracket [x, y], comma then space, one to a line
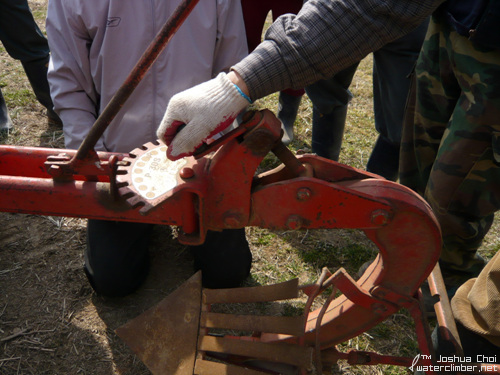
[206, 109]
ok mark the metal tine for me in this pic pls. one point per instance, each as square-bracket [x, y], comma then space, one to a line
[288, 325]
[312, 291]
[318, 360]
[267, 293]
[209, 368]
[294, 355]
[252, 348]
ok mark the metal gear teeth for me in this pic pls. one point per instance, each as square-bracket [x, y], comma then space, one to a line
[145, 175]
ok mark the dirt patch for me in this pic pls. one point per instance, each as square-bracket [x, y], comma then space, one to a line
[51, 322]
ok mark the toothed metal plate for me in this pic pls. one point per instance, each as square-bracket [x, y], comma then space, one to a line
[148, 174]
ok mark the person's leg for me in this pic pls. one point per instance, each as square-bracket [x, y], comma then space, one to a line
[280, 7]
[289, 100]
[464, 183]
[254, 16]
[392, 65]
[5, 121]
[36, 71]
[330, 100]
[20, 35]
[24, 41]
[225, 258]
[288, 107]
[456, 146]
[116, 256]
[384, 159]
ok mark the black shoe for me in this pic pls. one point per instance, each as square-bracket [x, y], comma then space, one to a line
[53, 119]
[225, 259]
[5, 121]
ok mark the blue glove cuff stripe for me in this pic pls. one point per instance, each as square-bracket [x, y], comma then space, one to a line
[242, 93]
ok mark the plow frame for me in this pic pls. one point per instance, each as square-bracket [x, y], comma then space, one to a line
[219, 189]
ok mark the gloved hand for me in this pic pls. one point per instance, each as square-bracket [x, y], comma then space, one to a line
[206, 109]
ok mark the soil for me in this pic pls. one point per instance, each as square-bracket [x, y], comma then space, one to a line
[51, 322]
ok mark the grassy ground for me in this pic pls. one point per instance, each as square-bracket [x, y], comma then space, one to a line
[79, 337]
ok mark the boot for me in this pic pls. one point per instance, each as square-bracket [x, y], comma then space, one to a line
[328, 131]
[5, 121]
[36, 71]
[287, 113]
[384, 159]
[225, 258]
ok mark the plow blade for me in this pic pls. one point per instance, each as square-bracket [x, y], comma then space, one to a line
[165, 336]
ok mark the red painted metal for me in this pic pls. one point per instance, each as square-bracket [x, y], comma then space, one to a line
[220, 190]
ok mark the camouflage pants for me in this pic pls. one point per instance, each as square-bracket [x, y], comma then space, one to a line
[450, 150]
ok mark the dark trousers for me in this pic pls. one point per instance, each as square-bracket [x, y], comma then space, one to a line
[254, 15]
[19, 33]
[117, 257]
[392, 65]
[24, 41]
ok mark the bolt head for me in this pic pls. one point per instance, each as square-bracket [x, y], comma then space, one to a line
[294, 222]
[380, 217]
[186, 173]
[304, 194]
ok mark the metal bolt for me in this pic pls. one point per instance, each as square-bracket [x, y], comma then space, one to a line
[294, 222]
[380, 217]
[186, 173]
[188, 317]
[303, 194]
[55, 171]
[379, 308]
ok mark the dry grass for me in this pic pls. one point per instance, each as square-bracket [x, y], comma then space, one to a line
[52, 323]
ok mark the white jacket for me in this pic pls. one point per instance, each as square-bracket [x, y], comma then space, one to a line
[96, 43]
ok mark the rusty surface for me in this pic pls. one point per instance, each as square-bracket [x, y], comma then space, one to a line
[211, 368]
[444, 315]
[359, 357]
[288, 325]
[274, 352]
[266, 293]
[165, 336]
